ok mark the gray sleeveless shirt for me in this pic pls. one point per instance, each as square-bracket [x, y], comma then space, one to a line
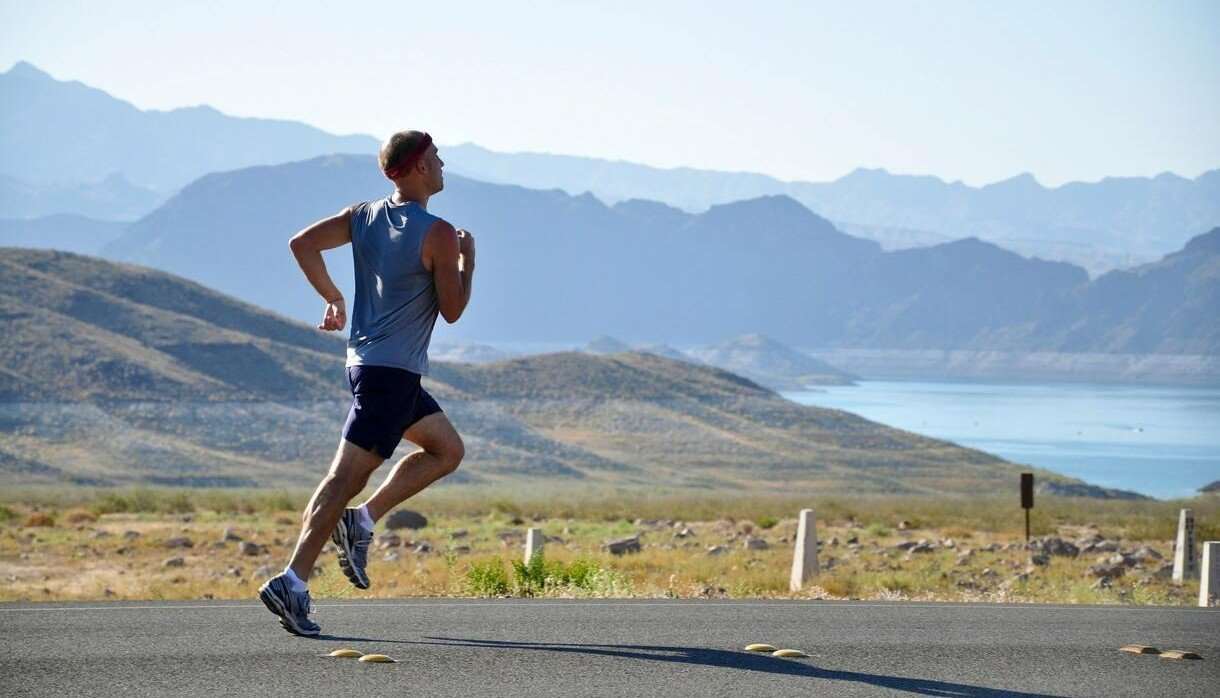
[396, 305]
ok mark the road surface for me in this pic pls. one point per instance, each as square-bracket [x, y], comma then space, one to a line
[477, 648]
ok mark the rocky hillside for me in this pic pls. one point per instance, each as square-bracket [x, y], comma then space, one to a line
[115, 374]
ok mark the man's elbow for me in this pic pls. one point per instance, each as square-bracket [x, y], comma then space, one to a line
[297, 244]
[451, 316]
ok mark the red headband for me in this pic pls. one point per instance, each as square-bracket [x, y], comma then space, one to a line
[406, 162]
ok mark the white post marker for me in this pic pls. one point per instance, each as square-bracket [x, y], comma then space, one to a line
[1209, 584]
[1184, 565]
[533, 544]
[805, 555]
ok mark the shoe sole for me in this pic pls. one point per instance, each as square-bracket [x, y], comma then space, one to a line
[339, 537]
[273, 604]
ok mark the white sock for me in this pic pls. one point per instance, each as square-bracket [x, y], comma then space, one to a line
[366, 521]
[297, 583]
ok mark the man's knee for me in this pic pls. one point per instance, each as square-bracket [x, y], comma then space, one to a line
[451, 453]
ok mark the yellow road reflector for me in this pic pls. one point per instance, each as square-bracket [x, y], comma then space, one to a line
[788, 653]
[1139, 649]
[760, 647]
[346, 654]
[376, 658]
[1179, 654]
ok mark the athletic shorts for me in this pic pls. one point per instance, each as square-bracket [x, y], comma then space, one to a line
[385, 402]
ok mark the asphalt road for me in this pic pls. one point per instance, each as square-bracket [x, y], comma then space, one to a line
[475, 648]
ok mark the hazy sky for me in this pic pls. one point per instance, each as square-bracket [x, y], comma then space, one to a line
[977, 91]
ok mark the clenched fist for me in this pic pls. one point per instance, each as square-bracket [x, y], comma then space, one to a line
[466, 243]
[335, 316]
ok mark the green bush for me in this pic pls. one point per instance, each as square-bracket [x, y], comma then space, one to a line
[877, 529]
[6, 514]
[128, 502]
[487, 578]
[541, 576]
[144, 501]
[579, 573]
[529, 579]
[765, 522]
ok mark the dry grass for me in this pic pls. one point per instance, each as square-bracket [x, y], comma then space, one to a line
[113, 545]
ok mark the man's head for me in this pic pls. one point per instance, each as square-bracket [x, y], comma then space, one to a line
[409, 159]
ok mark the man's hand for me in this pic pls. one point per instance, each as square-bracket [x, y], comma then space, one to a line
[335, 316]
[466, 245]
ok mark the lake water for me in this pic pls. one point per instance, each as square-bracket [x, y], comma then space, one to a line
[1163, 442]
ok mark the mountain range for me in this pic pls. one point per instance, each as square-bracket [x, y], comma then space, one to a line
[554, 267]
[55, 133]
[1116, 222]
[135, 158]
[116, 374]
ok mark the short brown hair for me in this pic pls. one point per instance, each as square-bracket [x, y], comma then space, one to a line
[398, 146]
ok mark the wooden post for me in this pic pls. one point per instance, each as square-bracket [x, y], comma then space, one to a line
[805, 554]
[1184, 565]
[1209, 581]
[1027, 499]
[533, 544]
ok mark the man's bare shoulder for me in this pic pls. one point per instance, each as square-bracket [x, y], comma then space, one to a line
[441, 229]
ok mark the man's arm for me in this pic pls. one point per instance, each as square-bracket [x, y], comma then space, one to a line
[307, 247]
[450, 254]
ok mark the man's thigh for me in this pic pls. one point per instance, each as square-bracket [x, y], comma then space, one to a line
[433, 433]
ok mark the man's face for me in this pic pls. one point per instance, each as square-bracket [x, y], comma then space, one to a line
[436, 176]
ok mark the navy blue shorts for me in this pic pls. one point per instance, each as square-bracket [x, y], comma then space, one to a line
[385, 402]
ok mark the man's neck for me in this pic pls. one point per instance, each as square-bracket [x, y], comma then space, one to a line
[401, 197]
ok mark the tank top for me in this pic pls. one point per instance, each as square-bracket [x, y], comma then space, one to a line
[395, 307]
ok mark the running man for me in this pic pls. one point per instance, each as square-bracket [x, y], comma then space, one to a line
[409, 266]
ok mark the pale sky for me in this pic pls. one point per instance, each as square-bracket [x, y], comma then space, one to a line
[977, 91]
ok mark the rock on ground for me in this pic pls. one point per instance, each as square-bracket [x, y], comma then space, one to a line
[405, 518]
[623, 546]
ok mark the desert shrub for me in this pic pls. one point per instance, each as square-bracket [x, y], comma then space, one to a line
[529, 579]
[579, 573]
[877, 529]
[487, 578]
[837, 585]
[542, 576]
[767, 521]
[6, 514]
[39, 518]
[893, 582]
[176, 503]
[958, 533]
[505, 506]
[126, 502]
[80, 516]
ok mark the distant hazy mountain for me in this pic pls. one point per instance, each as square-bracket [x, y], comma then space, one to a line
[112, 198]
[770, 363]
[606, 345]
[555, 267]
[49, 127]
[65, 232]
[466, 353]
[114, 375]
[54, 132]
[1099, 225]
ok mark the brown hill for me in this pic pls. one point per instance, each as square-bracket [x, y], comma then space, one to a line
[114, 374]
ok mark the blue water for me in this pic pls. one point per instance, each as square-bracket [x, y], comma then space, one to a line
[1164, 442]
